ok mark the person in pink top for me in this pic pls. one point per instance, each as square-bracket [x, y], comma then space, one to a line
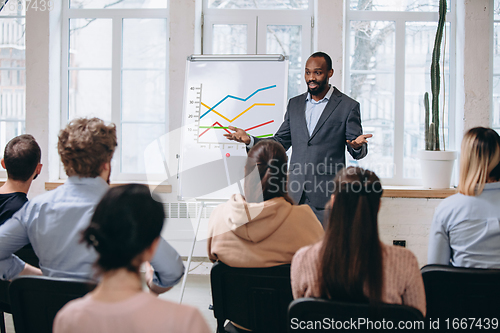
[351, 263]
[124, 231]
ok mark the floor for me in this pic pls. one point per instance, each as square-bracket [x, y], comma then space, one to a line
[197, 294]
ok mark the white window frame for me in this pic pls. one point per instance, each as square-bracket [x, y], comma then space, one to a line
[3, 172]
[117, 16]
[495, 72]
[400, 18]
[258, 20]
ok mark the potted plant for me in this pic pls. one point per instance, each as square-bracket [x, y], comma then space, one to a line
[436, 164]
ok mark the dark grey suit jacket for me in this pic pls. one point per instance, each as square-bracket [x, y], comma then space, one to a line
[317, 158]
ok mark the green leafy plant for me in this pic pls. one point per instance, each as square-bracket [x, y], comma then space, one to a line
[432, 128]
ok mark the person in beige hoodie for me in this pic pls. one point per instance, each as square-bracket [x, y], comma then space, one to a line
[264, 228]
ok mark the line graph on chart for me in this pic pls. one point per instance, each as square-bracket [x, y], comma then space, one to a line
[212, 116]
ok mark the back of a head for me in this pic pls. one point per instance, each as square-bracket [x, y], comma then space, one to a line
[125, 223]
[266, 172]
[479, 159]
[351, 254]
[85, 145]
[21, 156]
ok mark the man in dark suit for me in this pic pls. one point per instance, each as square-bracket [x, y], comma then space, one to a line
[318, 125]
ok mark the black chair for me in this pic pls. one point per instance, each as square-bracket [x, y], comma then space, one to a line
[35, 300]
[458, 292]
[319, 313]
[4, 303]
[27, 254]
[255, 298]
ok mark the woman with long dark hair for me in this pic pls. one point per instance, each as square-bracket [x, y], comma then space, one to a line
[351, 263]
[263, 228]
[465, 229]
[125, 231]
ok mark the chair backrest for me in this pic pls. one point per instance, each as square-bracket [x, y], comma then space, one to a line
[255, 298]
[458, 292]
[315, 314]
[35, 300]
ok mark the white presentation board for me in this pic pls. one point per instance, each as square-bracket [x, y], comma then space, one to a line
[247, 92]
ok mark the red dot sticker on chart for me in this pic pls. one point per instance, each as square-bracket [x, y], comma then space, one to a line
[227, 154]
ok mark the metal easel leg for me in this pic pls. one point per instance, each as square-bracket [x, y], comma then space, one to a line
[183, 286]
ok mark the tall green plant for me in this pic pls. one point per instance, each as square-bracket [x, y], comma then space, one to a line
[432, 129]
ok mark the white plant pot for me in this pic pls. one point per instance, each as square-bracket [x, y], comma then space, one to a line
[437, 167]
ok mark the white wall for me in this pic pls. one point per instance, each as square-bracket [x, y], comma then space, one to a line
[410, 220]
[473, 60]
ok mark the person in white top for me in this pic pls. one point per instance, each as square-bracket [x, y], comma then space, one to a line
[465, 231]
[125, 231]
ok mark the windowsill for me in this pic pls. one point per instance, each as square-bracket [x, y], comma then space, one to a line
[389, 191]
[157, 188]
[417, 192]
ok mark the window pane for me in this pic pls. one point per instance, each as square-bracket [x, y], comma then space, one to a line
[397, 5]
[12, 79]
[286, 40]
[90, 94]
[144, 43]
[90, 43]
[143, 96]
[14, 8]
[135, 139]
[495, 121]
[497, 10]
[419, 44]
[372, 64]
[12, 47]
[9, 130]
[259, 4]
[83, 4]
[229, 39]
[495, 117]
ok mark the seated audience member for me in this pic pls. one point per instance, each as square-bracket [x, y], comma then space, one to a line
[125, 232]
[21, 160]
[263, 228]
[351, 263]
[52, 222]
[465, 230]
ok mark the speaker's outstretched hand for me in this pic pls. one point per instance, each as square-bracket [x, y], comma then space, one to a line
[359, 141]
[238, 135]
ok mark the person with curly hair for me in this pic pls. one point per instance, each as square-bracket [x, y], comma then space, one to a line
[52, 222]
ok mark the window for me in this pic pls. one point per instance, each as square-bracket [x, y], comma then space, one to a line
[388, 59]
[115, 68]
[495, 109]
[261, 27]
[12, 75]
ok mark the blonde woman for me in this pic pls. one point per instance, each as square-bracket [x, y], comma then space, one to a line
[465, 230]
